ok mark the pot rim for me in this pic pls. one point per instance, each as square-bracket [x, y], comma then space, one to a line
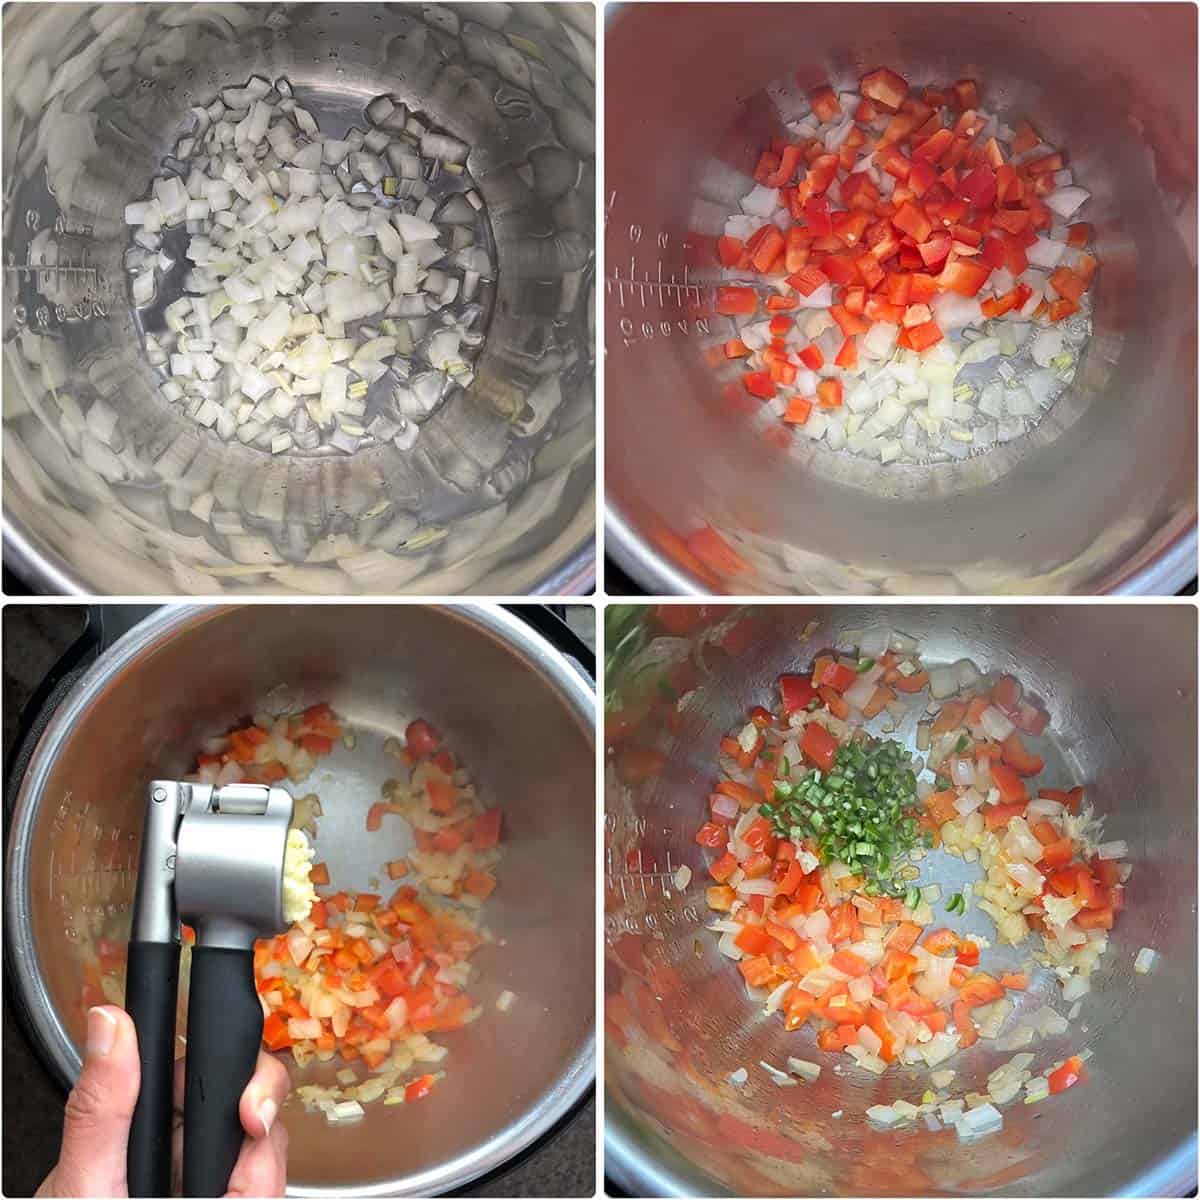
[1171, 568]
[554, 668]
[47, 573]
[628, 1162]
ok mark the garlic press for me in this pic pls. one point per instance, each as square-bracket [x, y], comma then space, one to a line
[213, 858]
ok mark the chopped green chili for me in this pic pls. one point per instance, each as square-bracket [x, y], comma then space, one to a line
[862, 813]
[957, 903]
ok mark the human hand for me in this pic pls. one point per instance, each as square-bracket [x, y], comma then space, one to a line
[100, 1111]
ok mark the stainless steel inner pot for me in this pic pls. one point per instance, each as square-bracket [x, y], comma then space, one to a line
[1100, 497]
[1120, 686]
[497, 496]
[522, 719]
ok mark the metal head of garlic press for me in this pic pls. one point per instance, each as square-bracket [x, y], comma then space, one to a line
[212, 857]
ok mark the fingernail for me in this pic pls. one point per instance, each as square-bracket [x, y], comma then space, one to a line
[102, 1032]
[266, 1114]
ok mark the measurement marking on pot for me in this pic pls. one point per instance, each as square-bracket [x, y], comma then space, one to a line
[648, 883]
[639, 286]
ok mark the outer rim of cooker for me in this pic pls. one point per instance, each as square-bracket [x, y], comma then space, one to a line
[554, 1106]
[47, 573]
[629, 1166]
[1171, 569]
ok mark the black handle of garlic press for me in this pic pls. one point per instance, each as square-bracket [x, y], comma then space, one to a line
[151, 986]
[224, 1030]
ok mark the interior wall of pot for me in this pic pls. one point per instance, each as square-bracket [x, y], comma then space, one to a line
[496, 495]
[1106, 480]
[380, 667]
[1120, 687]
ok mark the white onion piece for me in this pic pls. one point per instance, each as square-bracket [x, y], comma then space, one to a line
[1066, 201]
[1045, 253]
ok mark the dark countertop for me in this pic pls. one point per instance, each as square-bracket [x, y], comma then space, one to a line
[34, 637]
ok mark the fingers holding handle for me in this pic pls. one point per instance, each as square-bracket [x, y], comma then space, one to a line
[99, 1111]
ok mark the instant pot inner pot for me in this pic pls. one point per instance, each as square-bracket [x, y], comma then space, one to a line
[1120, 690]
[497, 480]
[509, 1075]
[1097, 492]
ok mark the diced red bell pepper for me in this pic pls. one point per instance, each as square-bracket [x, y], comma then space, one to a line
[799, 409]
[978, 187]
[1079, 235]
[736, 301]
[784, 373]
[865, 113]
[898, 288]
[941, 940]
[807, 280]
[859, 192]
[789, 160]
[769, 248]
[1069, 1074]
[885, 88]
[797, 692]
[729, 251]
[819, 746]
[1095, 918]
[1067, 283]
[847, 322]
[1008, 783]
[816, 212]
[841, 269]
[912, 220]
[812, 357]
[847, 356]
[760, 384]
[736, 348]
[829, 393]
[848, 226]
[825, 104]
[1012, 220]
[935, 250]
[879, 309]
[921, 337]
[921, 177]
[1057, 853]
[275, 1033]
[933, 148]
[1061, 309]
[796, 249]
[964, 278]
[993, 254]
[895, 163]
[870, 270]
[980, 989]
[922, 287]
